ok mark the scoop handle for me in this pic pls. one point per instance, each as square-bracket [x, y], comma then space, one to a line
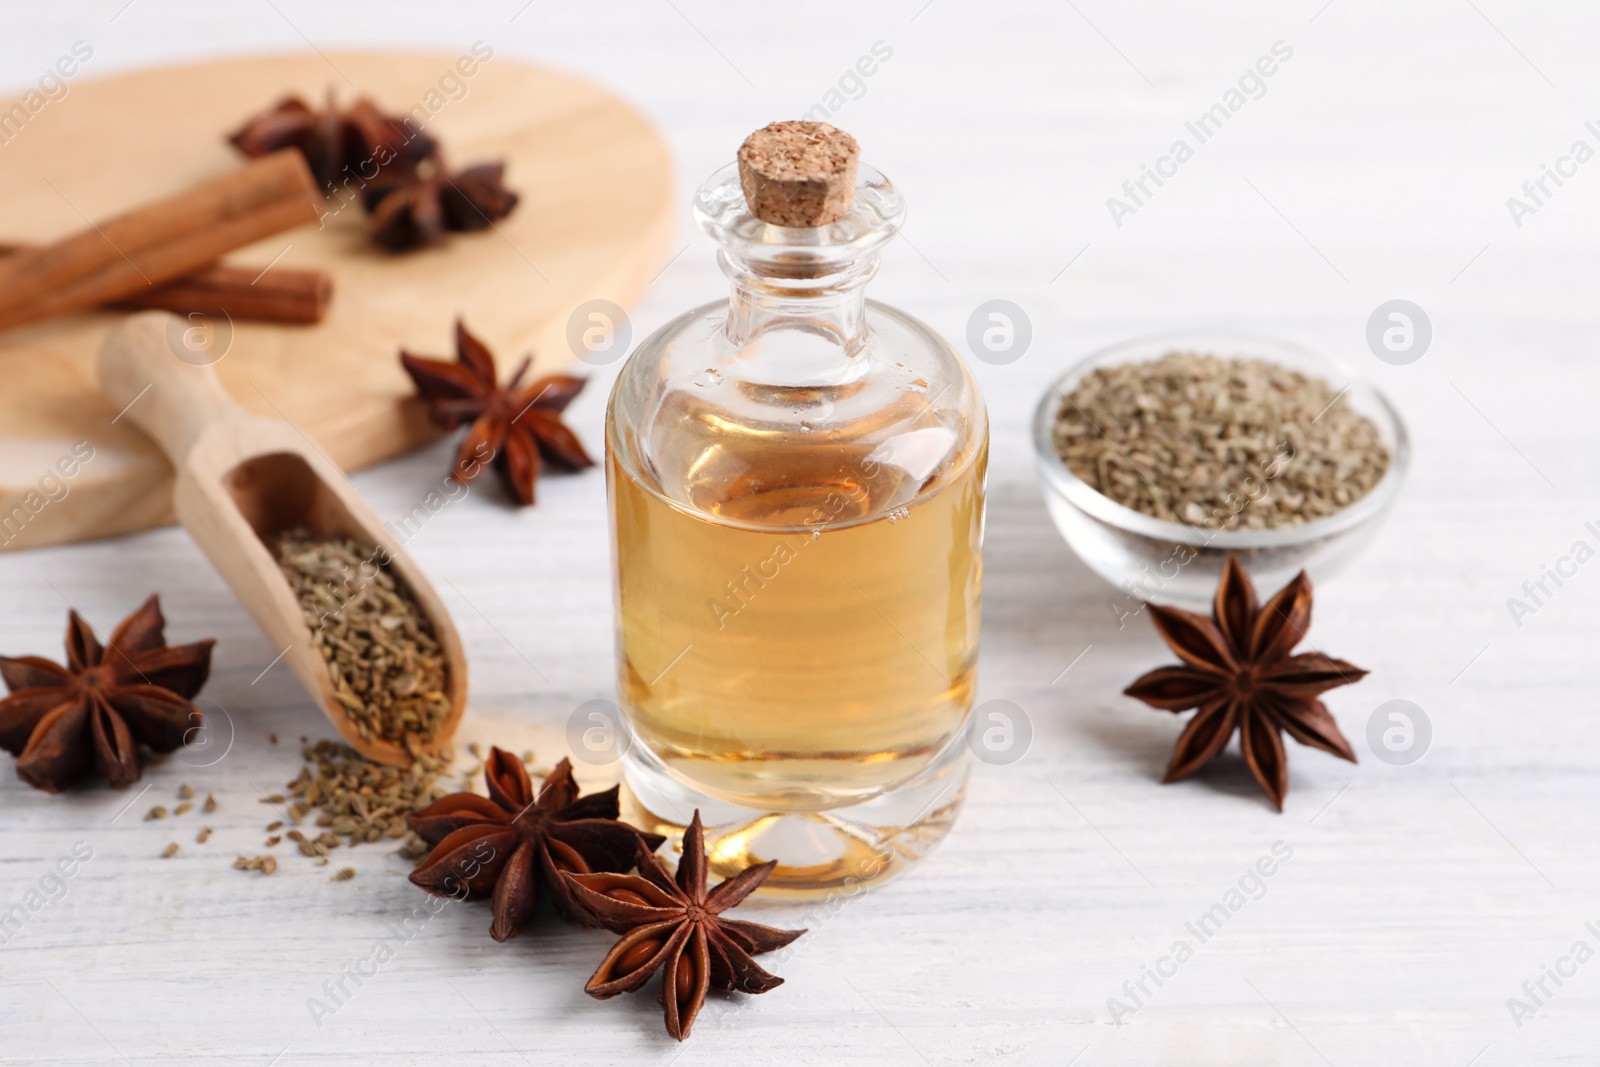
[157, 370]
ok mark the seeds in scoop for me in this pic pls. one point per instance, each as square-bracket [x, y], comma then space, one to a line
[383, 657]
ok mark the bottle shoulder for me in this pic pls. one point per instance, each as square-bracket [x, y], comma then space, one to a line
[753, 431]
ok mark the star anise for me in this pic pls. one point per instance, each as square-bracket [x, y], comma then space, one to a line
[352, 144]
[677, 928]
[512, 424]
[1238, 671]
[508, 845]
[103, 704]
[413, 211]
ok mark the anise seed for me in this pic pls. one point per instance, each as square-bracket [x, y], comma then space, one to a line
[686, 976]
[636, 956]
[627, 896]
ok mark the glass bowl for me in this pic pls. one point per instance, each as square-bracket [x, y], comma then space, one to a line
[1175, 563]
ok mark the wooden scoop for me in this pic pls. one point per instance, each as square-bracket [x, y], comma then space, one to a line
[243, 479]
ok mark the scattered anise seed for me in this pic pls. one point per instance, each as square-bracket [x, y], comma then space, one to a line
[170, 851]
[269, 864]
[210, 805]
[272, 739]
[185, 793]
[359, 801]
[157, 812]
[183, 809]
[276, 824]
[276, 798]
[203, 836]
[1239, 672]
[344, 874]
[272, 841]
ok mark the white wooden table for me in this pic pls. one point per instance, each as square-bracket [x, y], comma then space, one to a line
[1418, 898]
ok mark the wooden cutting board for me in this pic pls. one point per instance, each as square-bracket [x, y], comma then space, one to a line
[594, 222]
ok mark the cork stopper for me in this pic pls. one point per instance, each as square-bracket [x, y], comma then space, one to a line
[800, 174]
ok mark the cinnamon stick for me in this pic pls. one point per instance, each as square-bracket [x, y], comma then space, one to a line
[240, 293]
[243, 293]
[123, 257]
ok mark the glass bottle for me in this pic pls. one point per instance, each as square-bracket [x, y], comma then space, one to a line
[796, 481]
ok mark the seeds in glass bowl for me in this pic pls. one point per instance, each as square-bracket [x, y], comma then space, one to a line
[1217, 442]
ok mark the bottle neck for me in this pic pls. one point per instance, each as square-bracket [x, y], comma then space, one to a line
[824, 300]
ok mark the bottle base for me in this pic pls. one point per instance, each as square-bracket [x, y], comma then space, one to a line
[819, 853]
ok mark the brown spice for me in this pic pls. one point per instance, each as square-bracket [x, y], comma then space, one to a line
[158, 242]
[515, 426]
[170, 851]
[540, 832]
[409, 213]
[676, 926]
[399, 171]
[1239, 672]
[61, 722]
